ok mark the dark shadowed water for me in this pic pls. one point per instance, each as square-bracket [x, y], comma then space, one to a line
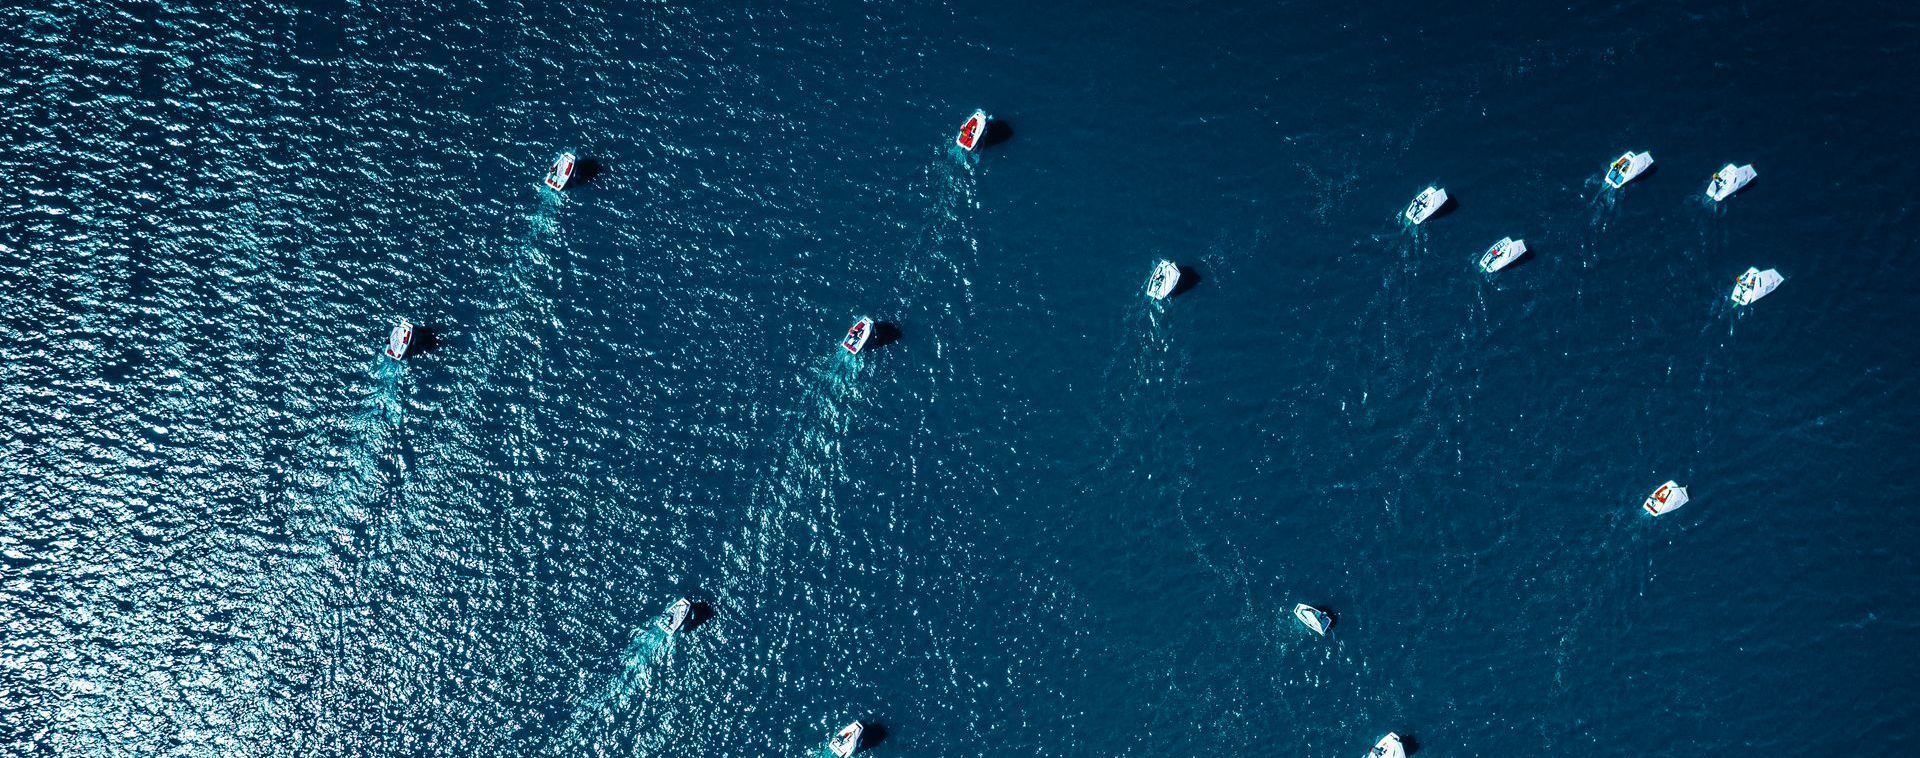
[1051, 518]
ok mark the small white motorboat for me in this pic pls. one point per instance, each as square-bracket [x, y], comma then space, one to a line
[1729, 180]
[847, 741]
[1667, 499]
[1755, 284]
[561, 173]
[1425, 204]
[972, 132]
[857, 336]
[1629, 165]
[1388, 747]
[400, 340]
[675, 617]
[1504, 252]
[1313, 618]
[1166, 274]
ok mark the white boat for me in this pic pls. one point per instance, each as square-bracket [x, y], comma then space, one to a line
[1506, 251]
[1425, 204]
[1755, 284]
[847, 741]
[972, 131]
[1629, 165]
[1313, 618]
[1729, 180]
[1388, 747]
[675, 617]
[857, 336]
[1667, 499]
[561, 173]
[400, 340]
[1165, 275]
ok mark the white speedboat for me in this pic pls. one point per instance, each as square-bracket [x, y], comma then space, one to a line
[1629, 165]
[1313, 618]
[972, 131]
[1728, 180]
[1425, 204]
[675, 617]
[847, 741]
[1388, 747]
[1166, 274]
[857, 336]
[1667, 499]
[1755, 284]
[561, 173]
[1506, 251]
[400, 340]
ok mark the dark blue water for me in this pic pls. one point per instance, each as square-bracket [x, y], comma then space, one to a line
[1052, 518]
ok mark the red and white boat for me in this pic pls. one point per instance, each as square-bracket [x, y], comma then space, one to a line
[846, 742]
[561, 173]
[1664, 500]
[1506, 251]
[400, 340]
[858, 335]
[972, 132]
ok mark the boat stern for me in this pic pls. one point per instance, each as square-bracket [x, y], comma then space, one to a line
[972, 131]
[1166, 276]
[1424, 205]
[400, 340]
[561, 174]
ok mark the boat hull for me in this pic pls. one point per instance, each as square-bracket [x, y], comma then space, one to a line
[675, 617]
[1313, 618]
[561, 174]
[857, 336]
[1424, 205]
[1666, 499]
[1166, 276]
[1502, 254]
[1728, 180]
[847, 741]
[972, 132]
[1388, 747]
[1755, 284]
[1627, 167]
[399, 341]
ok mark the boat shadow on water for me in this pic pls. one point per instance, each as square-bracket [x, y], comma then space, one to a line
[873, 733]
[425, 341]
[698, 615]
[997, 132]
[584, 172]
[884, 333]
[1189, 278]
[1409, 743]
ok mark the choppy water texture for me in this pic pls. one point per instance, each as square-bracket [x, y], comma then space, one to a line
[1050, 518]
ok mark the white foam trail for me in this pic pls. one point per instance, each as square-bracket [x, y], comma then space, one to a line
[638, 662]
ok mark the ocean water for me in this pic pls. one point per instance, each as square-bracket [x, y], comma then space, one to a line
[1051, 518]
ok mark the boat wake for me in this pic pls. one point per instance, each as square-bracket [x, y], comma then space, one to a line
[635, 678]
[1152, 452]
[372, 434]
[797, 496]
[1603, 206]
[1413, 240]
